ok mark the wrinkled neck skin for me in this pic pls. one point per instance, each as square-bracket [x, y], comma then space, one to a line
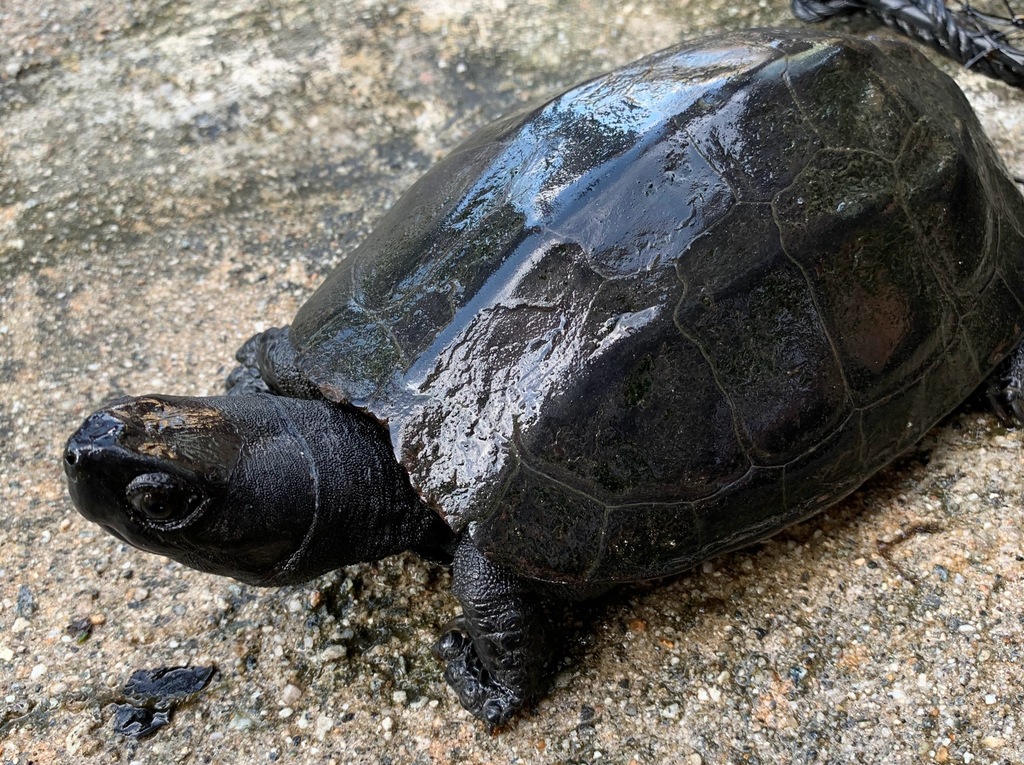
[348, 494]
[266, 489]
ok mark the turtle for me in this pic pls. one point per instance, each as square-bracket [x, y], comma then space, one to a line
[657, 317]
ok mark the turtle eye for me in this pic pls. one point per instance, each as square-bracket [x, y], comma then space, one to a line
[159, 496]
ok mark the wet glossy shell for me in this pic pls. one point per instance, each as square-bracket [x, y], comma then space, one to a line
[681, 305]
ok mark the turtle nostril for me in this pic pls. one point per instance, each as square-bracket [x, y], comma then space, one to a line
[72, 454]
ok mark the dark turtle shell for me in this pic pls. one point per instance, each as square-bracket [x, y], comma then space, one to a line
[681, 305]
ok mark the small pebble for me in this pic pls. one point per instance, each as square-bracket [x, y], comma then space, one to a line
[638, 625]
[332, 653]
[240, 723]
[322, 726]
[290, 694]
[26, 602]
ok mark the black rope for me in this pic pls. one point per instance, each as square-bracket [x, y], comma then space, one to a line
[967, 35]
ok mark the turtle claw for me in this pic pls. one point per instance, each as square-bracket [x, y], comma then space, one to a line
[489, 700]
[497, 651]
[452, 642]
[268, 364]
[245, 381]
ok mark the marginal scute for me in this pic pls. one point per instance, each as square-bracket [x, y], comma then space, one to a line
[364, 355]
[534, 509]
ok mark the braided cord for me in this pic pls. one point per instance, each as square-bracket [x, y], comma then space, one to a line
[967, 37]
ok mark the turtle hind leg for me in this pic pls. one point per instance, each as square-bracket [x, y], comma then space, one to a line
[498, 652]
[268, 364]
[1004, 389]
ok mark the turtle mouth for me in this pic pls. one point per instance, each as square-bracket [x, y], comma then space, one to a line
[113, 532]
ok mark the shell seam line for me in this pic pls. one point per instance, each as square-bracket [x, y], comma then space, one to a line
[598, 556]
[797, 102]
[812, 294]
[922, 238]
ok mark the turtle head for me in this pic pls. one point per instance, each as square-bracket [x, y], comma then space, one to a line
[265, 489]
[166, 475]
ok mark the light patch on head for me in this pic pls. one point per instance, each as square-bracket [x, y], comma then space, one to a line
[187, 432]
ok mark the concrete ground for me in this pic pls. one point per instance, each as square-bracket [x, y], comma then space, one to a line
[174, 176]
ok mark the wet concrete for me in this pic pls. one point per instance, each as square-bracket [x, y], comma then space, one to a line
[176, 176]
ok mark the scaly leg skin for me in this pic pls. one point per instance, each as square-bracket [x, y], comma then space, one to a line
[1005, 389]
[246, 378]
[497, 652]
[268, 365]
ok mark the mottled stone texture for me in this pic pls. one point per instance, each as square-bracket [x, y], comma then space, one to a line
[174, 176]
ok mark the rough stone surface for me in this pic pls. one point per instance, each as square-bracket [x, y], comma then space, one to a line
[174, 176]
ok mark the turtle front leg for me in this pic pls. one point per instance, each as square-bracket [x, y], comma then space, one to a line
[497, 652]
[268, 365]
[247, 378]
